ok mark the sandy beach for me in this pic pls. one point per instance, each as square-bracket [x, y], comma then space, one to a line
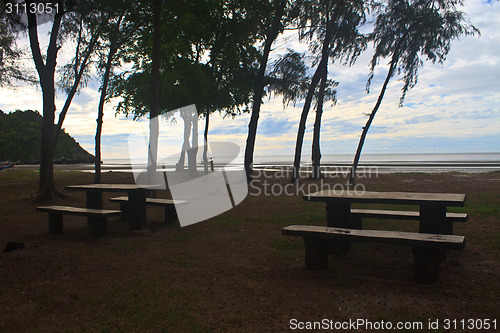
[236, 272]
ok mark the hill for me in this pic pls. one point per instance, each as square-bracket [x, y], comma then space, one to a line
[20, 133]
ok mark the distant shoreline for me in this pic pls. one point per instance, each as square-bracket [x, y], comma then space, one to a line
[339, 164]
[395, 167]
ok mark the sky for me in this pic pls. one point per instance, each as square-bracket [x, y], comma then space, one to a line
[454, 108]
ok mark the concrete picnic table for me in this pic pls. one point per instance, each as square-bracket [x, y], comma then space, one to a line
[432, 206]
[136, 197]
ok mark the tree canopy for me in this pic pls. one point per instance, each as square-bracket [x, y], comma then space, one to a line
[208, 58]
[215, 54]
[409, 32]
[11, 68]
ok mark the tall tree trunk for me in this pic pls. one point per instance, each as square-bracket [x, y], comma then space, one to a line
[310, 94]
[390, 73]
[46, 74]
[316, 151]
[46, 185]
[205, 145]
[259, 89]
[154, 93]
[100, 114]
[185, 144]
[113, 48]
[194, 146]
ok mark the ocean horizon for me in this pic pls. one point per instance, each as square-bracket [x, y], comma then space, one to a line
[339, 163]
[437, 162]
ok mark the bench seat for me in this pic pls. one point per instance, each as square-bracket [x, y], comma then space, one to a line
[428, 249]
[150, 201]
[169, 204]
[98, 221]
[404, 215]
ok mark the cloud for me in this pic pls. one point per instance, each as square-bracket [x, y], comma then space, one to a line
[273, 125]
[453, 108]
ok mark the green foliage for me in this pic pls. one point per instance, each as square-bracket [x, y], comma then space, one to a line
[410, 31]
[11, 67]
[208, 58]
[20, 140]
[345, 18]
[288, 78]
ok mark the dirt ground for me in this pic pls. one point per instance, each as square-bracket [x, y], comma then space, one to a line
[236, 272]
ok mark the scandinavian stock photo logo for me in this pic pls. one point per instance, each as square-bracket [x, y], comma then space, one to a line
[202, 178]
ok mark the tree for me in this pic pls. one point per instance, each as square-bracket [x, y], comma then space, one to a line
[406, 31]
[327, 20]
[166, 66]
[316, 152]
[86, 27]
[46, 66]
[233, 59]
[322, 67]
[289, 79]
[275, 28]
[46, 72]
[115, 36]
[347, 44]
[208, 59]
[154, 93]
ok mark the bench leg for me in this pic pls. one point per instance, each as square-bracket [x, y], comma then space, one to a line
[94, 200]
[137, 213]
[99, 227]
[339, 247]
[170, 214]
[426, 264]
[433, 221]
[55, 223]
[125, 208]
[338, 215]
[316, 253]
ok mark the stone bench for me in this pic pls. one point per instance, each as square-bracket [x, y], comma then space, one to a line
[99, 226]
[428, 249]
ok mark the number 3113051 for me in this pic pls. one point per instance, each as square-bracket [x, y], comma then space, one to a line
[32, 8]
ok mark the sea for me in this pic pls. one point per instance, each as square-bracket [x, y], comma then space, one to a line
[383, 163]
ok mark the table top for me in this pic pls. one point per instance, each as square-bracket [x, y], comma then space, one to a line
[108, 187]
[402, 198]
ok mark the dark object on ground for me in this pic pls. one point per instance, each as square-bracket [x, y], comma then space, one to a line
[12, 246]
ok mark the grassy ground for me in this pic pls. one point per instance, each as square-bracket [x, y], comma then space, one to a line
[235, 272]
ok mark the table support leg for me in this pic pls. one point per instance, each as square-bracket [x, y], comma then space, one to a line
[170, 214]
[94, 200]
[433, 221]
[125, 208]
[137, 210]
[338, 215]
